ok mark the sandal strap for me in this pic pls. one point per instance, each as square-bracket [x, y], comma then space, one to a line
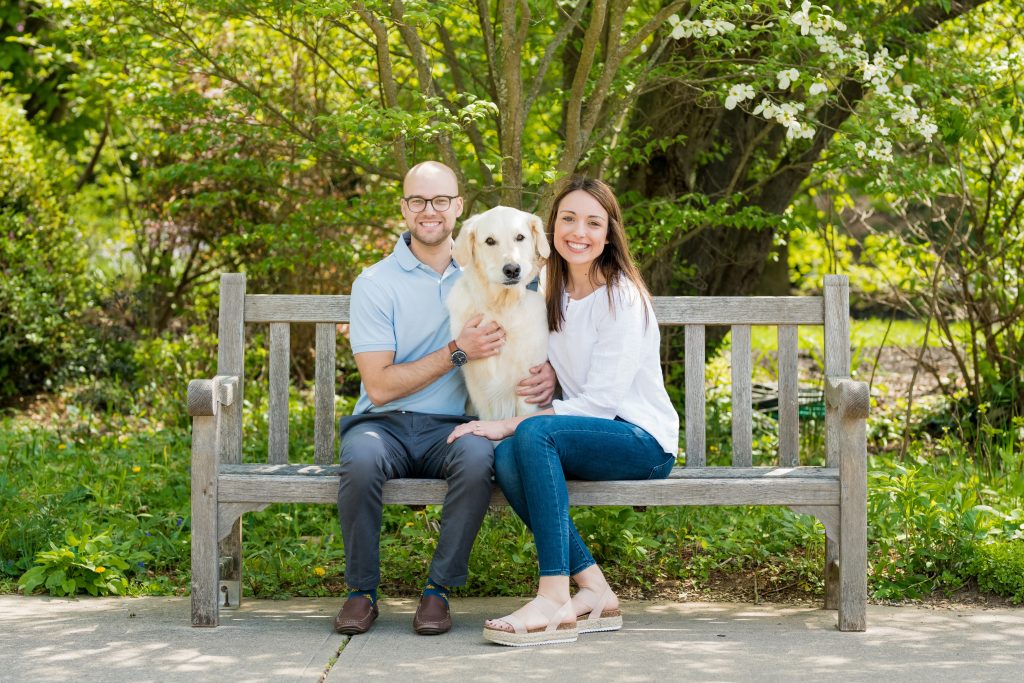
[596, 606]
[554, 614]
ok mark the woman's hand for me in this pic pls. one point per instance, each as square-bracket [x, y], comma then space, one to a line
[495, 430]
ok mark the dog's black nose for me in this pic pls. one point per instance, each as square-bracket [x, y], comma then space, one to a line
[511, 270]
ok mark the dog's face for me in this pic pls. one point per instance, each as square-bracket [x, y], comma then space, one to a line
[505, 246]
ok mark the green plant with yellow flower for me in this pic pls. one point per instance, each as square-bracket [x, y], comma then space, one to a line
[85, 563]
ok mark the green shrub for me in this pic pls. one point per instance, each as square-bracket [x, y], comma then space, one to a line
[43, 288]
[999, 568]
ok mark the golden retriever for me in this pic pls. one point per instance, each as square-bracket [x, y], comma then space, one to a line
[501, 251]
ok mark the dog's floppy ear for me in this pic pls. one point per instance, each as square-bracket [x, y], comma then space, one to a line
[539, 238]
[465, 243]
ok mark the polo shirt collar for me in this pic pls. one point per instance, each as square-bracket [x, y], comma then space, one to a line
[404, 255]
[407, 260]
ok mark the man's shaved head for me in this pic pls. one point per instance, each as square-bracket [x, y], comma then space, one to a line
[435, 174]
[430, 227]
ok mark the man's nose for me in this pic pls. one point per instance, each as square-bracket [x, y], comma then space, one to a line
[511, 270]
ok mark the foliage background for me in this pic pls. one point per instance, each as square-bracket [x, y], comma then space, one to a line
[147, 146]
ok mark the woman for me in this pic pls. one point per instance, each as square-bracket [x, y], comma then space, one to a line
[615, 420]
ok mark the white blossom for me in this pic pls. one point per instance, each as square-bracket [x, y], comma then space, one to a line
[907, 114]
[881, 150]
[767, 109]
[926, 128]
[786, 77]
[738, 93]
[817, 87]
[861, 148]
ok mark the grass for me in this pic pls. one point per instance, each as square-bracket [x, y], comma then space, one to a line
[869, 333]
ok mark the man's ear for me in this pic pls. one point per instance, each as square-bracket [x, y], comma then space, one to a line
[540, 240]
[465, 243]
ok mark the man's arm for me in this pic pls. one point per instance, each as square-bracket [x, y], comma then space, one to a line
[387, 381]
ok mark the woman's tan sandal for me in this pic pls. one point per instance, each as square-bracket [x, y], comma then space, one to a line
[597, 616]
[560, 628]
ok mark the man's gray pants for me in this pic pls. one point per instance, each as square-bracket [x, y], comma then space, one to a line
[376, 447]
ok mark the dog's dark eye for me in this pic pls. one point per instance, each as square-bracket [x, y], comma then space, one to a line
[490, 242]
[520, 238]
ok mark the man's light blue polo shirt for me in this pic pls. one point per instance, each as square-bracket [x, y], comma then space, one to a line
[398, 305]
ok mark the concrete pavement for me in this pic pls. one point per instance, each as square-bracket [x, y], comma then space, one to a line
[149, 639]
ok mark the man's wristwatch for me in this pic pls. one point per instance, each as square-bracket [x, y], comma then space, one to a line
[459, 357]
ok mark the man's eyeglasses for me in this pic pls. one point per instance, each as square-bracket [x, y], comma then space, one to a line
[418, 204]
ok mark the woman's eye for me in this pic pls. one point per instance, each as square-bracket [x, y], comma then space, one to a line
[490, 242]
[520, 238]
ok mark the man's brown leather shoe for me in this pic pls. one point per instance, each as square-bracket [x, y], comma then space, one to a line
[432, 616]
[356, 616]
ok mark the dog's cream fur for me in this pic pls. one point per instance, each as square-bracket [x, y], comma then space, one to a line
[489, 244]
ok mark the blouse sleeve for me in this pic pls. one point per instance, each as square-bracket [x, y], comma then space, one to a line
[615, 361]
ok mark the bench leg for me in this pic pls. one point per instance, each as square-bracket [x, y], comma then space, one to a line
[230, 585]
[831, 572]
[204, 522]
[853, 527]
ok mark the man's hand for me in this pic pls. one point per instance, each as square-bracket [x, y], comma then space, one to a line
[539, 387]
[480, 341]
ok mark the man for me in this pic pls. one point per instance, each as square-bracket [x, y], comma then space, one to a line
[411, 397]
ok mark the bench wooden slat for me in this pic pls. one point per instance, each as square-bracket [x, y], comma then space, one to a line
[682, 490]
[739, 310]
[694, 367]
[231, 361]
[789, 415]
[323, 427]
[280, 351]
[296, 308]
[742, 377]
[669, 310]
[312, 471]
[837, 350]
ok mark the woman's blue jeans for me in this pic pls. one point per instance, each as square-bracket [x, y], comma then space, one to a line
[531, 468]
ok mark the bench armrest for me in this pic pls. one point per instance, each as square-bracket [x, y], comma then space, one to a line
[850, 399]
[205, 395]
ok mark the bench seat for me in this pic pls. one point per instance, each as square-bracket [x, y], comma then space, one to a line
[297, 483]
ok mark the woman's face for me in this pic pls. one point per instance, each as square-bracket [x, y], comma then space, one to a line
[581, 229]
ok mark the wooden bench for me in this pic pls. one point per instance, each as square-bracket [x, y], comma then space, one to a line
[223, 488]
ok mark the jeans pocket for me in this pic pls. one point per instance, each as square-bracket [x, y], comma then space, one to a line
[664, 469]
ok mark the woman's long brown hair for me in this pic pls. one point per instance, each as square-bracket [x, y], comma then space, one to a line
[614, 262]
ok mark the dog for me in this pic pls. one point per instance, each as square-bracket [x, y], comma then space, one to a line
[500, 252]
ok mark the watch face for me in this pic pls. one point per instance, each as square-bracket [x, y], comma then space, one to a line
[459, 358]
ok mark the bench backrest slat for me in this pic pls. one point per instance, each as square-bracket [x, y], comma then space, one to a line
[323, 398]
[695, 415]
[669, 310]
[231, 361]
[738, 310]
[789, 413]
[837, 351]
[742, 377]
[280, 351]
[296, 308]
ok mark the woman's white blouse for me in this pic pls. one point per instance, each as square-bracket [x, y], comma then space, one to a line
[608, 362]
